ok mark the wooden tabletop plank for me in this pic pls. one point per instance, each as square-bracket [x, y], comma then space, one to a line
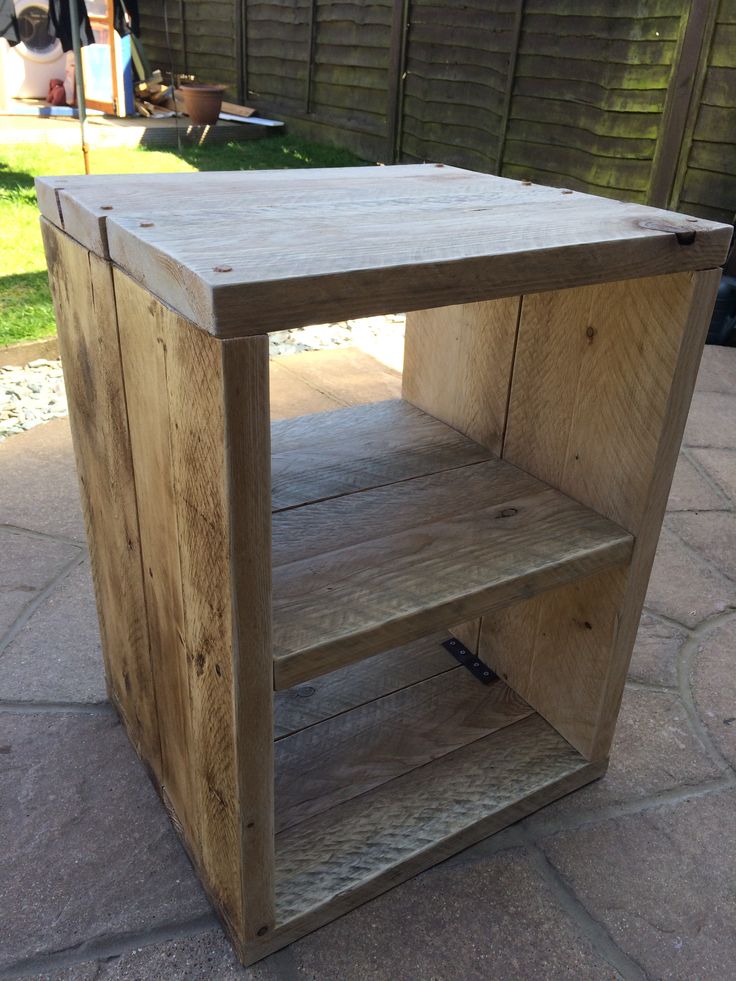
[245, 253]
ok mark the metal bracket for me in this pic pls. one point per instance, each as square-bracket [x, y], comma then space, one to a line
[474, 664]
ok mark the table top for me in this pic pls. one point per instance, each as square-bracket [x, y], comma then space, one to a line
[247, 252]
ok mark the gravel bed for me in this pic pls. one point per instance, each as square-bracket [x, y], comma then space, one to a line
[35, 393]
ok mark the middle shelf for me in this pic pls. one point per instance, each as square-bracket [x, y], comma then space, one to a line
[395, 525]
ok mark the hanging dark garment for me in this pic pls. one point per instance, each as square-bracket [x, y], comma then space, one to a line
[130, 7]
[60, 23]
[9, 22]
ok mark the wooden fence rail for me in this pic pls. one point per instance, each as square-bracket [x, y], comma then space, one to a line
[635, 100]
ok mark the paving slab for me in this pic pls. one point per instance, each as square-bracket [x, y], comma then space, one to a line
[711, 420]
[492, 919]
[662, 885]
[291, 396]
[714, 687]
[29, 563]
[721, 466]
[654, 661]
[348, 375]
[88, 850]
[712, 534]
[38, 481]
[685, 587]
[654, 750]
[717, 370]
[57, 656]
[207, 956]
[692, 491]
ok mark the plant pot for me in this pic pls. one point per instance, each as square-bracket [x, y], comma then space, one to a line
[202, 103]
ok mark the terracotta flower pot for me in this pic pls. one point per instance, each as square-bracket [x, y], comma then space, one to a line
[202, 103]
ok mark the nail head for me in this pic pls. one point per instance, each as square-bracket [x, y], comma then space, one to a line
[222, 269]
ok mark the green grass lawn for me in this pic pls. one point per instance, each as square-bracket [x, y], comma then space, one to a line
[25, 304]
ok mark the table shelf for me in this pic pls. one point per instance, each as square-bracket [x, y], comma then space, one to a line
[410, 542]
[369, 796]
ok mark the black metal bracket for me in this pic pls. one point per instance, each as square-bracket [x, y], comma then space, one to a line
[474, 664]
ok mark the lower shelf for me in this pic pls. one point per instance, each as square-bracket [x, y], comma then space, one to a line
[375, 794]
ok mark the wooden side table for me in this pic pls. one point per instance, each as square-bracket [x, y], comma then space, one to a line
[273, 646]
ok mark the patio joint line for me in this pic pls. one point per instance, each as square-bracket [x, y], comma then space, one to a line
[105, 947]
[707, 476]
[29, 707]
[588, 926]
[44, 535]
[39, 599]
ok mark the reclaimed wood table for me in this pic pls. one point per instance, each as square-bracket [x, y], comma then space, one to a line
[273, 599]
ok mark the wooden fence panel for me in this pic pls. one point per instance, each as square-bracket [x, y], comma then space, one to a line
[706, 182]
[457, 62]
[632, 100]
[589, 94]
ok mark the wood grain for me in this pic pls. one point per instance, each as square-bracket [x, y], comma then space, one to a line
[339, 452]
[143, 340]
[345, 689]
[602, 382]
[366, 845]
[457, 366]
[199, 416]
[391, 239]
[358, 574]
[84, 303]
[357, 751]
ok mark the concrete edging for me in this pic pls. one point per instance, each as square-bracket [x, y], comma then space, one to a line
[17, 355]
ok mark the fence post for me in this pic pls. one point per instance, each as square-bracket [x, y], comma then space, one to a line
[688, 70]
[241, 48]
[396, 69]
[310, 56]
[511, 74]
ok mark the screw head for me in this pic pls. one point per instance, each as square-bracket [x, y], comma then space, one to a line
[105, 207]
[222, 269]
[146, 224]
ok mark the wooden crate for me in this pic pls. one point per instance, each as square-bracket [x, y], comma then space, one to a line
[273, 598]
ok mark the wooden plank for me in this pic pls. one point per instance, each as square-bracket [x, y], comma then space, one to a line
[347, 688]
[333, 453]
[457, 366]
[201, 454]
[244, 557]
[602, 383]
[340, 266]
[334, 862]
[409, 558]
[362, 257]
[692, 49]
[142, 344]
[84, 303]
[358, 751]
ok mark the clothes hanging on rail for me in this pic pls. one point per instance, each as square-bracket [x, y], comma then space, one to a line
[9, 22]
[60, 23]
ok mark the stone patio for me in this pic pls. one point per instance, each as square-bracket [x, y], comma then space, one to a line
[632, 877]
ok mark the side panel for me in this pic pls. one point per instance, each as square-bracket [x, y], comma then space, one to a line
[457, 367]
[199, 432]
[84, 300]
[603, 378]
